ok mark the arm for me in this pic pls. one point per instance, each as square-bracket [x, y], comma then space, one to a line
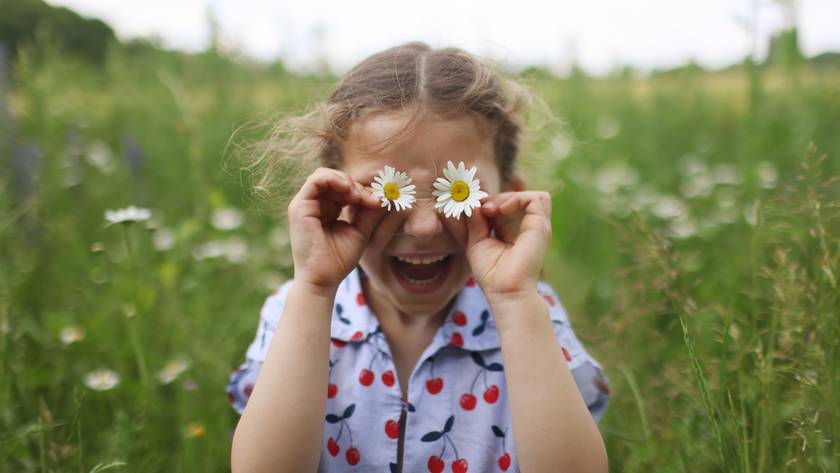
[552, 426]
[282, 425]
[553, 429]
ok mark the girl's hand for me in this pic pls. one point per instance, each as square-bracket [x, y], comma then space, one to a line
[508, 263]
[324, 248]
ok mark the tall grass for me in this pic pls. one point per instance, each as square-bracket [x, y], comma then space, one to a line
[696, 247]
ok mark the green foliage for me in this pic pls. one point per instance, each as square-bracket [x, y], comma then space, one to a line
[23, 20]
[696, 248]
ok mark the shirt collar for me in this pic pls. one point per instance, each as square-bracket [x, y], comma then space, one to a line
[468, 325]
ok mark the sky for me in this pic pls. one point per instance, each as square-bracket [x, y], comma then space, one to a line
[598, 35]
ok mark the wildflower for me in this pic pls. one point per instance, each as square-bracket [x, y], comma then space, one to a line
[667, 207]
[615, 176]
[163, 239]
[195, 429]
[235, 250]
[392, 186]
[459, 192]
[71, 334]
[172, 370]
[100, 156]
[102, 380]
[127, 215]
[607, 128]
[767, 174]
[227, 219]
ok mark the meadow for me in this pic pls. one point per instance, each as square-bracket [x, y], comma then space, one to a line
[696, 245]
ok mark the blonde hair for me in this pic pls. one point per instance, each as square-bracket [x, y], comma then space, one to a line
[447, 82]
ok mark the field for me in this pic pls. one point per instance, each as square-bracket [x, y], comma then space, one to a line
[696, 221]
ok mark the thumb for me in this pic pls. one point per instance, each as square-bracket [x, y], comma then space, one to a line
[366, 219]
[477, 228]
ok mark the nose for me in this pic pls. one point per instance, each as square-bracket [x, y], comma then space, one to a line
[423, 220]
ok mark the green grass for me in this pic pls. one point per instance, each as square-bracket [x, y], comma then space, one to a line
[696, 220]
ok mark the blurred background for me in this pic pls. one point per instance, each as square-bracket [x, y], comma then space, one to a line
[696, 214]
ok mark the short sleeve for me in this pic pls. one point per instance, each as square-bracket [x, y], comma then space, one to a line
[588, 373]
[241, 381]
[269, 318]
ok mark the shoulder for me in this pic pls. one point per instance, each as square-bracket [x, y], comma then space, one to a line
[273, 305]
[573, 350]
[588, 372]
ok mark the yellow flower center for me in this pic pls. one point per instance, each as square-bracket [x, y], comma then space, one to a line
[391, 191]
[460, 191]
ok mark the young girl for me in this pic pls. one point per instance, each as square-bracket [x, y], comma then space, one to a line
[412, 339]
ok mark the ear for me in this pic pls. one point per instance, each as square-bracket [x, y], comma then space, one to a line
[515, 184]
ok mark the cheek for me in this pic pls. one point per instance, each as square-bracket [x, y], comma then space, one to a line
[458, 230]
[384, 233]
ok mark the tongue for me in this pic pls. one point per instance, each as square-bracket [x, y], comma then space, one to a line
[420, 271]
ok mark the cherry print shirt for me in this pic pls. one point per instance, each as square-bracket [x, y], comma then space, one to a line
[456, 410]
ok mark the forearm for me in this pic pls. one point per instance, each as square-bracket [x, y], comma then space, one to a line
[282, 425]
[552, 426]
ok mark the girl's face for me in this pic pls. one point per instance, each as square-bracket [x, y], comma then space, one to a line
[415, 258]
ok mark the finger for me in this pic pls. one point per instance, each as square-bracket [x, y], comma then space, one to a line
[366, 219]
[478, 228]
[330, 184]
[512, 204]
[367, 198]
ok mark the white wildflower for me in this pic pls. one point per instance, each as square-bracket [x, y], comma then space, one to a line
[102, 380]
[459, 192]
[127, 215]
[227, 218]
[393, 187]
[172, 370]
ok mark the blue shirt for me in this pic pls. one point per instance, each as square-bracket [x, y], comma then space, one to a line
[455, 415]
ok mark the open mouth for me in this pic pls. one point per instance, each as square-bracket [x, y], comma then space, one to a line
[421, 275]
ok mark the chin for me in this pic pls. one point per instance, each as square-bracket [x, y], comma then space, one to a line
[434, 284]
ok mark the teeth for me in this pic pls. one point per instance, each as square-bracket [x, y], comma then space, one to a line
[421, 281]
[421, 260]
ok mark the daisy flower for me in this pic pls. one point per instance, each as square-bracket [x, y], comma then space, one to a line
[127, 215]
[392, 186]
[102, 380]
[459, 192]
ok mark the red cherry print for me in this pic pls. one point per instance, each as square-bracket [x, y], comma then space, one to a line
[459, 466]
[360, 299]
[566, 354]
[457, 339]
[332, 390]
[602, 386]
[471, 282]
[249, 388]
[366, 377]
[548, 298]
[435, 464]
[491, 395]
[434, 385]
[468, 402]
[504, 462]
[333, 447]
[357, 336]
[392, 429]
[352, 456]
[230, 397]
[338, 343]
[459, 318]
[388, 378]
